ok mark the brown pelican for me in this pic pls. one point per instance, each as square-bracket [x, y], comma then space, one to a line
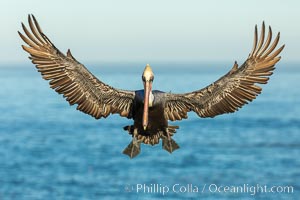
[150, 109]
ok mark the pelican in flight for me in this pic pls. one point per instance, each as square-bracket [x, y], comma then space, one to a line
[150, 109]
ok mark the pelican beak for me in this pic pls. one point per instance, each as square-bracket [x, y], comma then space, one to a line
[147, 89]
[147, 77]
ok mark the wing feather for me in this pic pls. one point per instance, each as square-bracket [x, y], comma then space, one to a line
[69, 77]
[233, 90]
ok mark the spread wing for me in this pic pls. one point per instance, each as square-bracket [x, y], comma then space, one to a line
[70, 78]
[233, 90]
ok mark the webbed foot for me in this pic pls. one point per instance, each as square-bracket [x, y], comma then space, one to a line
[169, 145]
[134, 148]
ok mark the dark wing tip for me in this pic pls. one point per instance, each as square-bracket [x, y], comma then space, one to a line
[254, 42]
[31, 16]
[263, 24]
[69, 55]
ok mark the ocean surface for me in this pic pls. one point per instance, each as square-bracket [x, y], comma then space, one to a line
[49, 150]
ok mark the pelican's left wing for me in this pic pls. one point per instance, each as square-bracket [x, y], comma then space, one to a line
[70, 78]
[234, 89]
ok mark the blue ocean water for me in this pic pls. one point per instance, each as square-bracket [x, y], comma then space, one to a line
[49, 150]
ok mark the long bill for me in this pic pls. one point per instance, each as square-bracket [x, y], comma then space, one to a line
[147, 89]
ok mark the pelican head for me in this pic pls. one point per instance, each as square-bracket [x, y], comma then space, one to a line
[148, 78]
[148, 74]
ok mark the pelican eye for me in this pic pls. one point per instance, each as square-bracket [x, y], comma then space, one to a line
[152, 78]
[144, 78]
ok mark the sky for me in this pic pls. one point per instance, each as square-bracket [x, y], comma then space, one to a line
[147, 31]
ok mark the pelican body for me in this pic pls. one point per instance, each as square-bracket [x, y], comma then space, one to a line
[150, 109]
[149, 106]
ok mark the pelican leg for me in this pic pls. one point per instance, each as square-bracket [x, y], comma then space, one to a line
[168, 143]
[134, 148]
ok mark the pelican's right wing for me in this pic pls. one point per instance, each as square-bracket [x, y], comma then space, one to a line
[70, 78]
[234, 89]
